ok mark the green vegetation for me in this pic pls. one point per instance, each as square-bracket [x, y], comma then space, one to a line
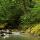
[22, 13]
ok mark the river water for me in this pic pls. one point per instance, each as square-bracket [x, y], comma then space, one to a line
[13, 36]
[17, 36]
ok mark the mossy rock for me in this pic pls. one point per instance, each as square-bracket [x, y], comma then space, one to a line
[2, 25]
[36, 29]
[36, 0]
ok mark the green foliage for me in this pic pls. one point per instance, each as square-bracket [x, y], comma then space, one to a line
[32, 16]
[23, 12]
[9, 8]
[36, 13]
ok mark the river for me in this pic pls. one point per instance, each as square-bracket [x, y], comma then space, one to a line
[17, 36]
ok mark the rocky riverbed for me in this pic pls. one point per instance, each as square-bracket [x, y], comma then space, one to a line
[7, 33]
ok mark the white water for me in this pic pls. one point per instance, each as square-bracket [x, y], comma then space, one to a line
[16, 33]
[6, 36]
[13, 33]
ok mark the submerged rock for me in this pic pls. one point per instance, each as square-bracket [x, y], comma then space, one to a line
[5, 31]
[3, 34]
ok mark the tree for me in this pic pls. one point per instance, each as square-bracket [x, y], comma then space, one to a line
[15, 11]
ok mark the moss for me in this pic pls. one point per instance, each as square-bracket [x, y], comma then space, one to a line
[35, 29]
[2, 25]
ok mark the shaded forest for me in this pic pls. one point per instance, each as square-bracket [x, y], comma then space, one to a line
[20, 14]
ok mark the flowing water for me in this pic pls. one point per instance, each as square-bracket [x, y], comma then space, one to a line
[17, 36]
